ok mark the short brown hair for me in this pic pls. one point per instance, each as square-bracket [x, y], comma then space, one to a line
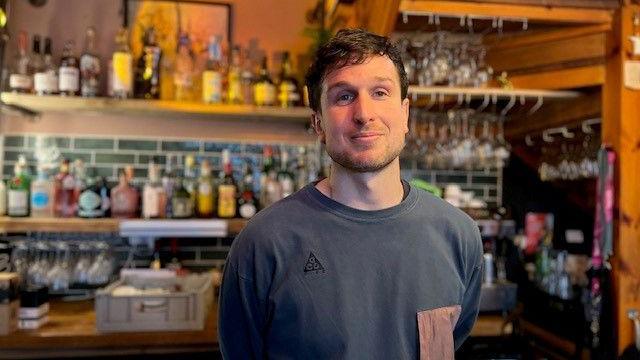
[349, 47]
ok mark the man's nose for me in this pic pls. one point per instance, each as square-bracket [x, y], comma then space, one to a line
[364, 109]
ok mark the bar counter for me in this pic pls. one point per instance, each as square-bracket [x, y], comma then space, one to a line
[71, 332]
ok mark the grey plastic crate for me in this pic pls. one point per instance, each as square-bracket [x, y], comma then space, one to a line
[182, 310]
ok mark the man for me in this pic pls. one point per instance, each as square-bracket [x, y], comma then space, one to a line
[359, 265]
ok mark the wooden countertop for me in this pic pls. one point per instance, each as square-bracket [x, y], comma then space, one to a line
[72, 331]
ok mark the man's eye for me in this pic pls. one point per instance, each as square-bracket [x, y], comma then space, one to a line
[380, 93]
[344, 98]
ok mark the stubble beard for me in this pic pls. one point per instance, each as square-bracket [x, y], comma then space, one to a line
[370, 166]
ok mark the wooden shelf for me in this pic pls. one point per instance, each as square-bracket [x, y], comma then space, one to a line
[156, 108]
[496, 92]
[28, 224]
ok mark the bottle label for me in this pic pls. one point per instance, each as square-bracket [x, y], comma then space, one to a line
[122, 77]
[211, 87]
[69, 79]
[90, 73]
[20, 82]
[89, 200]
[39, 200]
[287, 94]
[45, 82]
[204, 189]
[123, 203]
[150, 203]
[234, 88]
[17, 202]
[226, 200]
[205, 199]
[247, 210]
[264, 94]
[182, 207]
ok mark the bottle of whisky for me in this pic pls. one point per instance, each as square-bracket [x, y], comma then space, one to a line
[213, 74]
[89, 66]
[205, 195]
[264, 92]
[234, 78]
[124, 198]
[20, 78]
[121, 60]
[147, 74]
[288, 91]
[184, 70]
[45, 82]
[69, 71]
[227, 189]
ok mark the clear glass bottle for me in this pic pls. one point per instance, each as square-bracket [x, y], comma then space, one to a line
[285, 177]
[270, 189]
[42, 195]
[154, 200]
[90, 66]
[36, 63]
[227, 189]
[20, 79]
[181, 201]
[234, 78]
[213, 73]
[169, 182]
[147, 74]
[121, 61]
[247, 203]
[69, 71]
[184, 70]
[264, 91]
[288, 90]
[45, 82]
[205, 197]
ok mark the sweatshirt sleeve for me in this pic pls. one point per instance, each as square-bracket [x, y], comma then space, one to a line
[242, 317]
[471, 297]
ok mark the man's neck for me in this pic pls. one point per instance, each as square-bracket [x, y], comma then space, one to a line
[364, 191]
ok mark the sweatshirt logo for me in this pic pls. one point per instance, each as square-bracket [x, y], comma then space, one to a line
[313, 265]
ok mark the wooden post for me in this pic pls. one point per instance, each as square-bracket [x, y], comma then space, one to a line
[621, 130]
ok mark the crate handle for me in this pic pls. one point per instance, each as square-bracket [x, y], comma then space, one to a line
[152, 305]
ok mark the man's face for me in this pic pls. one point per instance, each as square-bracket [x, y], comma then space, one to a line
[363, 120]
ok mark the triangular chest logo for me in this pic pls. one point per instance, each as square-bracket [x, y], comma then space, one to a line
[313, 264]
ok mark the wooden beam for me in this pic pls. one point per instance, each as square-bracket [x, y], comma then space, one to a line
[531, 12]
[377, 16]
[561, 79]
[507, 41]
[621, 130]
[561, 113]
[537, 55]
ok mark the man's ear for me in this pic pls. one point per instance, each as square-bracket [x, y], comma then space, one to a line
[405, 111]
[316, 122]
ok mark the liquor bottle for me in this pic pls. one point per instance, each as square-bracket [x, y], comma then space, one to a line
[247, 79]
[169, 183]
[302, 172]
[247, 203]
[124, 198]
[288, 91]
[69, 72]
[205, 195]
[18, 192]
[20, 78]
[89, 66]
[63, 191]
[45, 82]
[270, 189]
[36, 62]
[105, 196]
[285, 177]
[3, 198]
[184, 70]
[90, 201]
[79, 172]
[181, 201]
[147, 74]
[234, 78]
[212, 75]
[42, 195]
[264, 92]
[227, 189]
[121, 60]
[189, 180]
[154, 199]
